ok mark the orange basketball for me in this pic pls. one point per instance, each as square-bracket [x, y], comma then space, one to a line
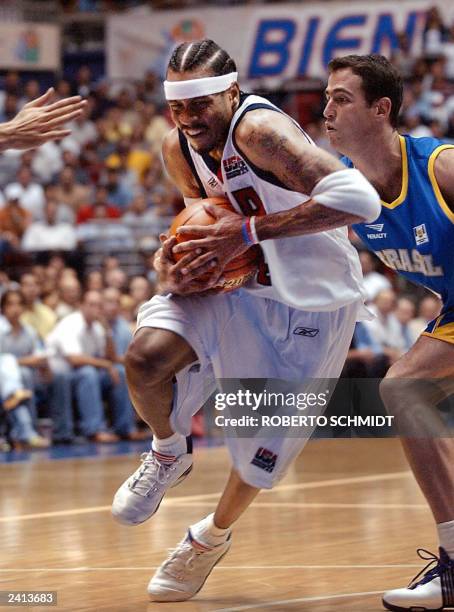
[240, 269]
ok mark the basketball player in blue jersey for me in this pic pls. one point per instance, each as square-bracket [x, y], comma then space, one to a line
[294, 199]
[413, 235]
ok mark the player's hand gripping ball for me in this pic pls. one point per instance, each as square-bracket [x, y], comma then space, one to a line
[240, 269]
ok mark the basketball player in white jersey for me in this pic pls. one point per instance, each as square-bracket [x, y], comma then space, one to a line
[296, 201]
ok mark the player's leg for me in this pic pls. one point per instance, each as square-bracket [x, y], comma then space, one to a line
[258, 462]
[411, 391]
[167, 383]
[152, 360]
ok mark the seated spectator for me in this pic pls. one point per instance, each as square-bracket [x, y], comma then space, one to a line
[49, 234]
[131, 156]
[94, 281]
[373, 282]
[141, 290]
[385, 329]
[138, 212]
[116, 277]
[429, 309]
[365, 357]
[70, 293]
[101, 209]
[38, 374]
[70, 192]
[47, 162]
[32, 194]
[14, 400]
[83, 130]
[120, 328]
[88, 347]
[405, 314]
[14, 219]
[36, 314]
[117, 192]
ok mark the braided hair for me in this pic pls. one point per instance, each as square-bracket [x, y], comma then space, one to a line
[201, 54]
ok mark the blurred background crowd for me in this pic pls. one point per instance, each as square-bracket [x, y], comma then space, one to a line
[80, 221]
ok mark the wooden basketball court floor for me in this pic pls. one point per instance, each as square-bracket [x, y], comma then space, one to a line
[338, 531]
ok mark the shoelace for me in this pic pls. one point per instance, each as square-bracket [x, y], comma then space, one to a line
[429, 575]
[150, 474]
[181, 559]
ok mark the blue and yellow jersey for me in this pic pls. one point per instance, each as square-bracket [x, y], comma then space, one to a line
[414, 235]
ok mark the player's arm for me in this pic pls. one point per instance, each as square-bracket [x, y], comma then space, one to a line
[170, 278]
[273, 143]
[444, 173]
[38, 122]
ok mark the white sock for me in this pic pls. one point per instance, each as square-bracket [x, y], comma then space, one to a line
[446, 537]
[168, 449]
[206, 532]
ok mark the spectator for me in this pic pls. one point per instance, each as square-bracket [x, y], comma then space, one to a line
[88, 347]
[405, 314]
[100, 210]
[13, 399]
[138, 211]
[365, 357]
[49, 234]
[374, 282]
[94, 281]
[116, 277]
[117, 192]
[130, 157]
[120, 328]
[429, 309]
[32, 194]
[37, 372]
[83, 130]
[69, 192]
[14, 219]
[47, 162]
[70, 293]
[385, 329]
[36, 314]
[141, 290]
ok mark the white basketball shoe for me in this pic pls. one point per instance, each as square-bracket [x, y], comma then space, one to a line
[433, 593]
[186, 569]
[140, 495]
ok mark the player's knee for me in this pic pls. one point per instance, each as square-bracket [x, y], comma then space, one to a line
[399, 388]
[145, 360]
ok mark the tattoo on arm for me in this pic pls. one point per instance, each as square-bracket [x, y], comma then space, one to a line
[295, 162]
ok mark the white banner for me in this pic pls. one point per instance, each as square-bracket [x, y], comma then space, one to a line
[29, 46]
[279, 42]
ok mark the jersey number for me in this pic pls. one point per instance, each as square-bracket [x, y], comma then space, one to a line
[251, 204]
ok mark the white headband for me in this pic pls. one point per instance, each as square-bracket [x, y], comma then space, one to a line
[195, 88]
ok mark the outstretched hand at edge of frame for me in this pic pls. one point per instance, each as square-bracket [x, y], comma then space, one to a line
[40, 121]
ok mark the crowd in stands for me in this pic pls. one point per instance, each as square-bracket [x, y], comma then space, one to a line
[65, 322]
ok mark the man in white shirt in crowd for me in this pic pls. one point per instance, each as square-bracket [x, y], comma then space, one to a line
[48, 234]
[373, 282]
[385, 328]
[32, 197]
[89, 348]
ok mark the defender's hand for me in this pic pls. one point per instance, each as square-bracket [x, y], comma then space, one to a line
[37, 122]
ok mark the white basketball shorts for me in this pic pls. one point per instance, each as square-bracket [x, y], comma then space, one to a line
[237, 335]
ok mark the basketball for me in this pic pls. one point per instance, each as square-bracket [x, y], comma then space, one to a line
[240, 269]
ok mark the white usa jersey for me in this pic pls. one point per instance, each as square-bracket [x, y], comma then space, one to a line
[316, 272]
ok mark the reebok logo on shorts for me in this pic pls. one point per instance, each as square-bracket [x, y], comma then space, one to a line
[308, 332]
[265, 459]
